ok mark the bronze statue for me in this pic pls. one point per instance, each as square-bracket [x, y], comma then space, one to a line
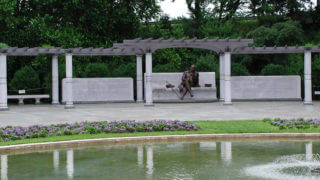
[189, 79]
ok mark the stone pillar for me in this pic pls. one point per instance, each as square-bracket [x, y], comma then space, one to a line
[69, 96]
[149, 163]
[221, 63]
[140, 155]
[139, 79]
[55, 80]
[309, 155]
[4, 167]
[56, 160]
[70, 169]
[226, 151]
[3, 83]
[148, 93]
[227, 78]
[307, 78]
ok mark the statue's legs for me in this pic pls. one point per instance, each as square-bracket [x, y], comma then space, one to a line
[187, 88]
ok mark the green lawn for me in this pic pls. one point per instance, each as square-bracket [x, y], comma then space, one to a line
[208, 127]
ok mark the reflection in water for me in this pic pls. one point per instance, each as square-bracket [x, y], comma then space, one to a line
[149, 160]
[70, 163]
[56, 160]
[140, 155]
[309, 151]
[226, 151]
[4, 167]
[208, 145]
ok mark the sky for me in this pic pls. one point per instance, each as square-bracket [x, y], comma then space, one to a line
[178, 8]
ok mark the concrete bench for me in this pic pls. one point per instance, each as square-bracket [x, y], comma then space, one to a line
[201, 94]
[316, 92]
[37, 97]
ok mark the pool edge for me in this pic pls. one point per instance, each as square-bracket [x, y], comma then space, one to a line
[45, 145]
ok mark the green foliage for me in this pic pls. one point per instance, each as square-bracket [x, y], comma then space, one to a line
[125, 70]
[207, 64]
[283, 33]
[238, 69]
[3, 45]
[46, 24]
[97, 70]
[165, 68]
[25, 78]
[273, 69]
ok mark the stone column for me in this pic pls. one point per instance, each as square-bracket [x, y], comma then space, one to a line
[4, 167]
[56, 160]
[226, 151]
[3, 83]
[139, 79]
[148, 85]
[309, 155]
[55, 80]
[140, 155]
[70, 169]
[227, 78]
[149, 163]
[307, 78]
[221, 63]
[69, 96]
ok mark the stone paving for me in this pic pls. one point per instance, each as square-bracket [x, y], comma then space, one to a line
[25, 115]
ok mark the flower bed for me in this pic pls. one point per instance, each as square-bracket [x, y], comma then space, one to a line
[15, 133]
[299, 123]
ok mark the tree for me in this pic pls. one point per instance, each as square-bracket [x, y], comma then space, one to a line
[280, 34]
[25, 78]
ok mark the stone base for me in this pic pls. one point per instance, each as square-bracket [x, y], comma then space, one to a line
[148, 105]
[4, 109]
[307, 103]
[201, 94]
[139, 101]
[69, 106]
[227, 103]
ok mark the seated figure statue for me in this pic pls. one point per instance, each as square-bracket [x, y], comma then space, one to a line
[189, 79]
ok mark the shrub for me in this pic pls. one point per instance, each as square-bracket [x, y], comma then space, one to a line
[273, 69]
[97, 70]
[238, 69]
[207, 64]
[4, 45]
[165, 68]
[125, 70]
[25, 78]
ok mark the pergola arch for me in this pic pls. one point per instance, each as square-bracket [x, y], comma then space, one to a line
[151, 45]
[139, 47]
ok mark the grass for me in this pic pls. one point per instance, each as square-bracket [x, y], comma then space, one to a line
[207, 127]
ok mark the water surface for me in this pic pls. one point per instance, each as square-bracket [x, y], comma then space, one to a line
[231, 159]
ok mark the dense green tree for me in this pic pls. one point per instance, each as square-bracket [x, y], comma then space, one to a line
[26, 78]
[274, 69]
[97, 70]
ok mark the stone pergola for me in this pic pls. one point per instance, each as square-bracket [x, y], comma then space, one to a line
[139, 47]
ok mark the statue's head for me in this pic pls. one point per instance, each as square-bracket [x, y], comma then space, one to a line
[192, 68]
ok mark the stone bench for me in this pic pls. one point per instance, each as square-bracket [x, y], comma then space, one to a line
[201, 94]
[37, 97]
[316, 92]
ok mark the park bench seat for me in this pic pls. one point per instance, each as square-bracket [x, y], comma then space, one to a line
[21, 97]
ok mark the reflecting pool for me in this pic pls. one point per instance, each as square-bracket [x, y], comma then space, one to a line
[228, 159]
